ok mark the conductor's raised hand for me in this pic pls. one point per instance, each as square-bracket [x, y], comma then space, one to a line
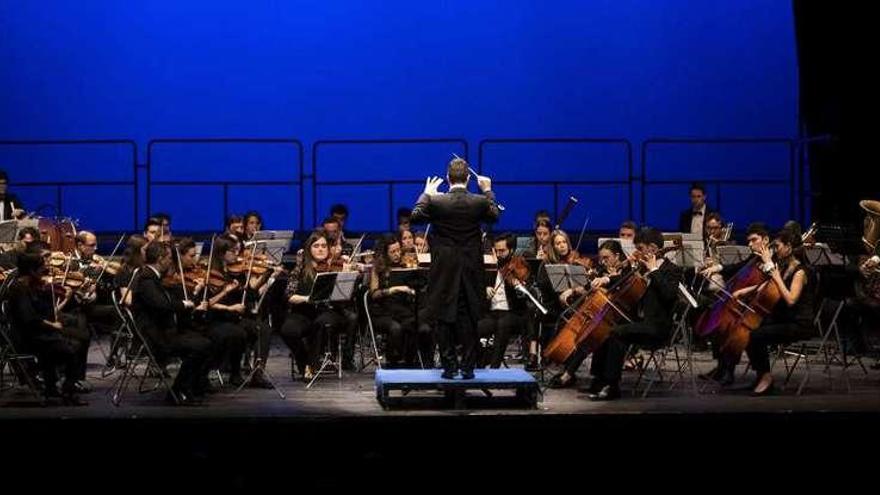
[432, 185]
[484, 183]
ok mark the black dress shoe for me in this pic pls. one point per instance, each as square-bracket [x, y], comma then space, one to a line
[767, 391]
[532, 364]
[448, 374]
[72, 399]
[608, 392]
[259, 381]
[594, 388]
[467, 375]
[82, 387]
[712, 375]
[556, 381]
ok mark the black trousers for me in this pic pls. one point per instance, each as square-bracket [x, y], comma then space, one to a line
[54, 351]
[608, 360]
[228, 344]
[462, 332]
[773, 334]
[194, 351]
[405, 342]
[503, 325]
[77, 329]
[307, 335]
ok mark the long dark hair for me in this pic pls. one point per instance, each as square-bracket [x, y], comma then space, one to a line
[381, 261]
[308, 271]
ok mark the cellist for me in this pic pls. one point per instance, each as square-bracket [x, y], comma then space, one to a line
[612, 262]
[758, 238]
[652, 326]
[792, 318]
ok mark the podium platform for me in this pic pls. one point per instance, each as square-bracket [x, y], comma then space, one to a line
[485, 380]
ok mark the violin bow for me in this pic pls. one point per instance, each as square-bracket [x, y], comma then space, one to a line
[180, 270]
[208, 270]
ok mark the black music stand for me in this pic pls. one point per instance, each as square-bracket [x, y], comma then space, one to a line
[330, 287]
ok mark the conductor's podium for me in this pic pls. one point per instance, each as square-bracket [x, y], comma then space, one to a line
[523, 385]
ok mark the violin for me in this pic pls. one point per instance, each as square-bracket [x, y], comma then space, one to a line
[516, 271]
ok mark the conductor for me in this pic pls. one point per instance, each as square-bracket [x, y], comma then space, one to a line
[455, 279]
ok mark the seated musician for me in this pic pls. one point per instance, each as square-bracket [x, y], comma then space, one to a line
[392, 312]
[714, 229]
[26, 236]
[539, 246]
[132, 262]
[627, 231]
[403, 219]
[235, 230]
[561, 251]
[758, 239]
[792, 319]
[253, 223]
[612, 262]
[154, 230]
[863, 308]
[508, 313]
[164, 225]
[421, 243]
[11, 207]
[155, 312]
[92, 300]
[228, 307]
[308, 326]
[339, 249]
[227, 338]
[35, 326]
[653, 328]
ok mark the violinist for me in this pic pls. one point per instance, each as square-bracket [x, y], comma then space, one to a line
[132, 261]
[164, 226]
[612, 262]
[156, 314]
[154, 230]
[392, 310]
[27, 235]
[308, 325]
[93, 300]
[235, 230]
[792, 318]
[508, 310]
[65, 281]
[421, 243]
[227, 306]
[627, 231]
[33, 319]
[653, 328]
[185, 281]
[339, 249]
[561, 251]
[253, 223]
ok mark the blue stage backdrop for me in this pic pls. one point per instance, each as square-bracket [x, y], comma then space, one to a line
[112, 109]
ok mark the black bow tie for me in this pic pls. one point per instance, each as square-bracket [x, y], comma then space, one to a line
[698, 213]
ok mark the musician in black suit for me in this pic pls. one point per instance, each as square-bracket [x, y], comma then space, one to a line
[693, 219]
[156, 316]
[455, 281]
[654, 325]
[10, 206]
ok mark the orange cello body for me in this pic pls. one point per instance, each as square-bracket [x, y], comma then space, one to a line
[595, 316]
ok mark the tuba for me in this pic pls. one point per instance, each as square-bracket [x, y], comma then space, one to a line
[872, 224]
